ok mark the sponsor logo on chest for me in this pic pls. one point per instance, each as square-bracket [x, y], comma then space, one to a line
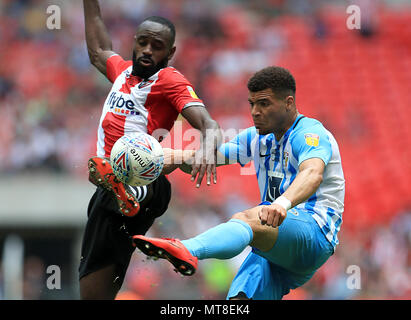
[120, 104]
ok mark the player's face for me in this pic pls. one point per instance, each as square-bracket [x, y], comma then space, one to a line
[270, 114]
[152, 49]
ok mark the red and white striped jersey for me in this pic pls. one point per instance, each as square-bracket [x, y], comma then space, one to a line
[137, 105]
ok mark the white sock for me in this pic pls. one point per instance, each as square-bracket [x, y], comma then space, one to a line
[139, 192]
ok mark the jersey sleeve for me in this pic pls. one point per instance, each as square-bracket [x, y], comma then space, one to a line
[239, 150]
[178, 90]
[311, 142]
[115, 66]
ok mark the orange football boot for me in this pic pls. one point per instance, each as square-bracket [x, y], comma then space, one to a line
[171, 249]
[101, 174]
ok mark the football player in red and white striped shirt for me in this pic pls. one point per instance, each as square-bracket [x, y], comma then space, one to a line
[147, 95]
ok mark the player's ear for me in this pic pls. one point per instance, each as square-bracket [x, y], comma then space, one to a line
[289, 102]
[171, 53]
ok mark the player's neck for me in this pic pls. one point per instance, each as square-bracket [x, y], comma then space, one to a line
[287, 125]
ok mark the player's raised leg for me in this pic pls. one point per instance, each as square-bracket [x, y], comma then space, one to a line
[224, 241]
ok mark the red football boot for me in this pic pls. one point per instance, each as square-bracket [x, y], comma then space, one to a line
[171, 249]
[101, 174]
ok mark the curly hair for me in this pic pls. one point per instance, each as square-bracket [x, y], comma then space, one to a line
[278, 79]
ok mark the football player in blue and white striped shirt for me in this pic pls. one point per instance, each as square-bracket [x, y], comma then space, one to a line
[294, 229]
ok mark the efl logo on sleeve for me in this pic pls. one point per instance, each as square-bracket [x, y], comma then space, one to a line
[312, 139]
[192, 92]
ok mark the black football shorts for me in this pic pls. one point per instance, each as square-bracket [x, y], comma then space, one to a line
[106, 239]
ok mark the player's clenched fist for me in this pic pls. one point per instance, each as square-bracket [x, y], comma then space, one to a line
[272, 215]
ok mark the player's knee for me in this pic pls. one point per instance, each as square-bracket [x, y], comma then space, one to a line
[245, 216]
[99, 285]
[264, 237]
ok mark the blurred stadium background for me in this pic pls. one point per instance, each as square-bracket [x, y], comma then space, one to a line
[357, 82]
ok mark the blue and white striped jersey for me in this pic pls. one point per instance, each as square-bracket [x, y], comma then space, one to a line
[277, 162]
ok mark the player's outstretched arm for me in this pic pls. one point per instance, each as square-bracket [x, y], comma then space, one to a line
[99, 44]
[174, 159]
[206, 156]
[184, 159]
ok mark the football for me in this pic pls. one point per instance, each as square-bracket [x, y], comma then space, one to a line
[137, 159]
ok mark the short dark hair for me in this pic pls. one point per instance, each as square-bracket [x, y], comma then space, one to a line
[164, 22]
[278, 79]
